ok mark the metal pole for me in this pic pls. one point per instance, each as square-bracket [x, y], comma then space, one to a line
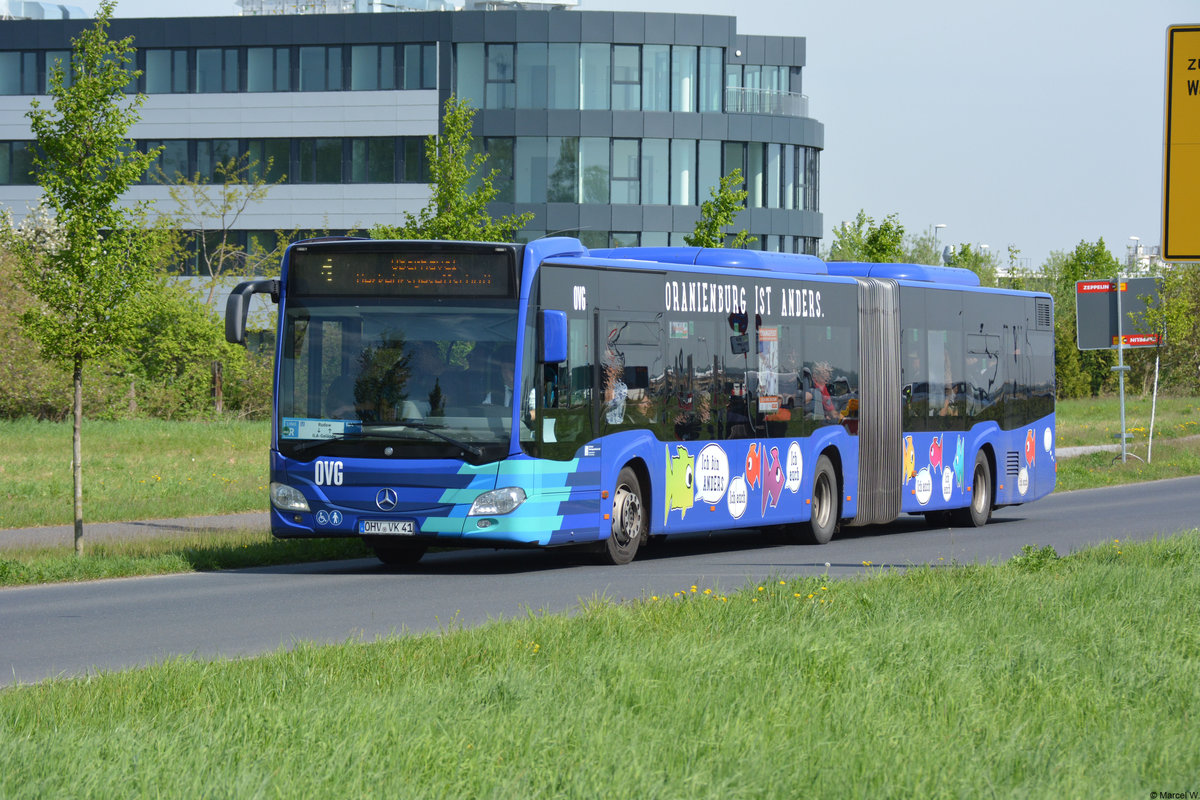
[1153, 406]
[1121, 368]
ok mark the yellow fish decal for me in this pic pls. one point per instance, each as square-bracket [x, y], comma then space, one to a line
[910, 460]
[681, 471]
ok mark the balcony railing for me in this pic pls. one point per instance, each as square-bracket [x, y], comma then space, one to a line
[765, 101]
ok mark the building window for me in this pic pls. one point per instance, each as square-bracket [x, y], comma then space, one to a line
[373, 160]
[655, 172]
[416, 166]
[212, 153]
[529, 169]
[420, 66]
[166, 71]
[372, 67]
[269, 159]
[626, 171]
[18, 73]
[622, 239]
[683, 78]
[709, 168]
[267, 69]
[562, 166]
[500, 161]
[468, 77]
[593, 169]
[683, 172]
[171, 164]
[627, 78]
[501, 89]
[595, 70]
[562, 76]
[756, 174]
[216, 70]
[531, 75]
[812, 170]
[16, 163]
[656, 77]
[320, 161]
[711, 60]
[320, 69]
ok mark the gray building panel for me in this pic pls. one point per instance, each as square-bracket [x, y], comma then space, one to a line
[595, 217]
[773, 50]
[628, 124]
[658, 125]
[565, 27]
[627, 218]
[599, 27]
[629, 28]
[500, 26]
[689, 29]
[561, 217]
[658, 218]
[660, 28]
[740, 127]
[468, 26]
[563, 123]
[714, 126]
[686, 126]
[595, 123]
[756, 51]
[719, 31]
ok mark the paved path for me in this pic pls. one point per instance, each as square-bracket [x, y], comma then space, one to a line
[56, 535]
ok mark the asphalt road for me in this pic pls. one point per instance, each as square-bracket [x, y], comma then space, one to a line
[76, 629]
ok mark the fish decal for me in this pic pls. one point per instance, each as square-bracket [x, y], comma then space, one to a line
[753, 465]
[681, 471]
[773, 480]
[1030, 447]
[935, 453]
[910, 460]
[960, 464]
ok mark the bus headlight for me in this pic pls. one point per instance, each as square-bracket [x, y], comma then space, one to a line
[285, 498]
[496, 502]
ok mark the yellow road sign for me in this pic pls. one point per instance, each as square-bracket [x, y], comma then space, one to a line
[1181, 151]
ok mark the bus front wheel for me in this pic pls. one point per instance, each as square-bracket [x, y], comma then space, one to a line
[980, 511]
[823, 523]
[630, 522]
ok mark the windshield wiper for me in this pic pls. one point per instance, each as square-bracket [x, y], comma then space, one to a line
[435, 431]
[377, 434]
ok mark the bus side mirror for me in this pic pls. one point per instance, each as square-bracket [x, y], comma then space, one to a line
[237, 307]
[552, 333]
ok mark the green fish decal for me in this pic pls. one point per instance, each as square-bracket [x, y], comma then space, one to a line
[681, 470]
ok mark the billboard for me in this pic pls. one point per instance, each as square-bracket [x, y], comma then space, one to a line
[1096, 320]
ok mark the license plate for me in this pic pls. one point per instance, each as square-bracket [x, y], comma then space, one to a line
[388, 527]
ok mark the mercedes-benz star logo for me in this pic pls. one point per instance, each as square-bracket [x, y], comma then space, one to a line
[386, 499]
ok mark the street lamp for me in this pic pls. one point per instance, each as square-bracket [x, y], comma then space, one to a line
[938, 253]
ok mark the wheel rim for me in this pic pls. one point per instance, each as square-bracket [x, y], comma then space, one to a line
[979, 491]
[628, 516]
[821, 501]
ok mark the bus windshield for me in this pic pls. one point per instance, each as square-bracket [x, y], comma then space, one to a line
[395, 377]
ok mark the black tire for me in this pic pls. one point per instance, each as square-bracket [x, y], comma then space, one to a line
[979, 512]
[826, 509]
[630, 522]
[396, 553]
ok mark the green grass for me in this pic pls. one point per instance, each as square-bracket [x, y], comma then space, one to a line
[194, 552]
[1098, 420]
[1043, 677]
[146, 469]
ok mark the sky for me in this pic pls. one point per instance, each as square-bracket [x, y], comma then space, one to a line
[1036, 124]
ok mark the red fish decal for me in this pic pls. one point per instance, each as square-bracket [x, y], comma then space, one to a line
[753, 465]
[773, 480]
[935, 453]
[1030, 447]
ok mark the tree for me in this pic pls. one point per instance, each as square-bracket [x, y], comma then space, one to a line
[209, 211]
[719, 212]
[454, 211]
[1079, 372]
[982, 263]
[863, 240]
[88, 290]
[922, 248]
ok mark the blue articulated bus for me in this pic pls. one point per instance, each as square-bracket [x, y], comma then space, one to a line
[482, 394]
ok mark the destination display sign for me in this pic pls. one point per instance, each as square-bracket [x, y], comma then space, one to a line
[427, 269]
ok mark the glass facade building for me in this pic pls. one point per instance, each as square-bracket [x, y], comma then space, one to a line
[611, 126]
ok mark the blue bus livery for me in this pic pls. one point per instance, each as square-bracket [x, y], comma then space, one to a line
[481, 394]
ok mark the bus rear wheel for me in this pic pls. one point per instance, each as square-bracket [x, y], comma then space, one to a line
[823, 523]
[980, 511]
[630, 524]
[395, 553]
